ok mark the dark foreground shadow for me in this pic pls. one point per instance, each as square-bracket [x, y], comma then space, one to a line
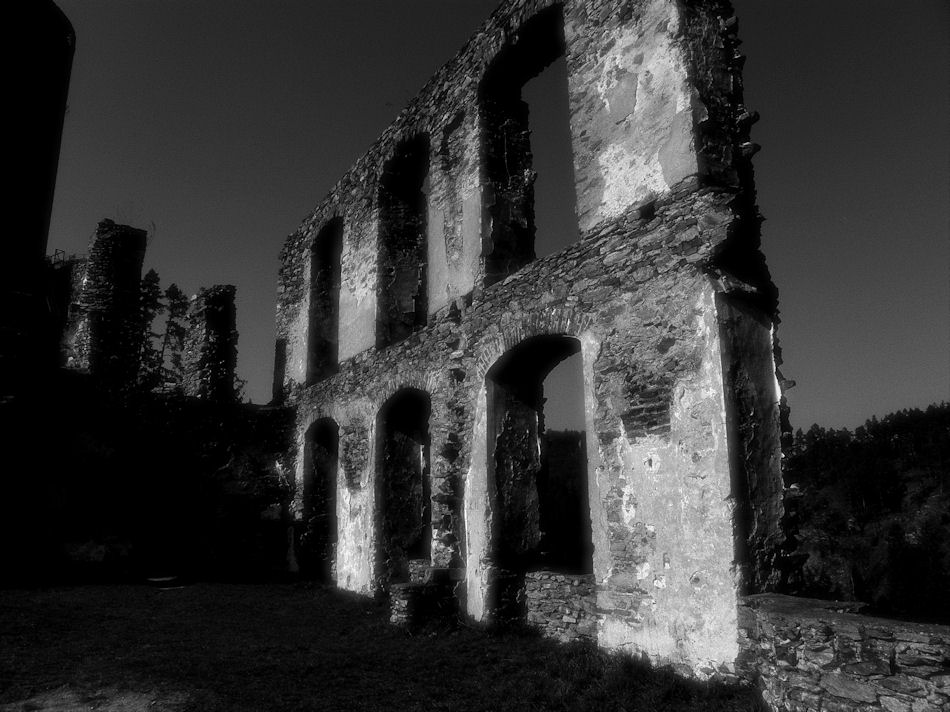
[300, 647]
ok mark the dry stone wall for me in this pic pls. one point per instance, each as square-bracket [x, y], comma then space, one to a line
[664, 295]
[562, 606]
[809, 655]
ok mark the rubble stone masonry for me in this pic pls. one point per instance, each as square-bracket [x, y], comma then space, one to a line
[664, 295]
[810, 655]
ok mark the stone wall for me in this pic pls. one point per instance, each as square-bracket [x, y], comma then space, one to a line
[664, 295]
[809, 655]
[562, 606]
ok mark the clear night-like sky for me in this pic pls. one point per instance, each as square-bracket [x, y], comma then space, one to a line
[219, 124]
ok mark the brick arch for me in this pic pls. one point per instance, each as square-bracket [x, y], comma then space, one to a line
[317, 412]
[391, 384]
[550, 322]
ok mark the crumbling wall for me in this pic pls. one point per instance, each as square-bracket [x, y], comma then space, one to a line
[809, 655]
[210, 353]
[665, 294]
[104, 335]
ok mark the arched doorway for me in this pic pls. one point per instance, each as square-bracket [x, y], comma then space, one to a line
[537, 470]
[403, 505]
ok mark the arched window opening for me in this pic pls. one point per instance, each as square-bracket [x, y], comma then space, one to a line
[538, 469]
[402, 296]
[507, 148]
[403, 500]
[323, 340]
[321, 459]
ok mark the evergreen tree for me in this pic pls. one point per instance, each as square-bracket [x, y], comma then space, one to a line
[150, 306]
[173, 343]
[869, 516]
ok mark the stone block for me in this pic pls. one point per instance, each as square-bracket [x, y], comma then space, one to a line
[895, 704]
[847, 688]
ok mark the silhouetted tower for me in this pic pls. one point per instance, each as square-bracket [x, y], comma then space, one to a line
[104, 334]
[210, 356]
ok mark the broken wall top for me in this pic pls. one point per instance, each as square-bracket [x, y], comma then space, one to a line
[655, 99]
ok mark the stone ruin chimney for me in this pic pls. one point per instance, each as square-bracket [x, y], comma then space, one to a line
[210, 356]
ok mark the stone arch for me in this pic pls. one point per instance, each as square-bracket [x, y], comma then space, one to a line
[403, 488]
[319, 497]
[551, 322]
[324, 317]
[514, 523]
[402, 200]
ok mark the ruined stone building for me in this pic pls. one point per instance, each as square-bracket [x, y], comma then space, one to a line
[416, 328]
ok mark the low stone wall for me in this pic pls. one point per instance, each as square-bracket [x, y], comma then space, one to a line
[562, 606]
[417, 602]
[810, 655]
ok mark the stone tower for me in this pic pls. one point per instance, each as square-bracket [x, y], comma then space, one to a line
[104, 334]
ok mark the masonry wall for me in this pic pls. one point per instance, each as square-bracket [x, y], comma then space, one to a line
[664, 294]
[809, 655]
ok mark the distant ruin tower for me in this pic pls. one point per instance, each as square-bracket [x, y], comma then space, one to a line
[210, 356]
[104, 334]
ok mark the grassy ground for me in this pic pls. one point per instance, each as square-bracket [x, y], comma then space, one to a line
[296, 647]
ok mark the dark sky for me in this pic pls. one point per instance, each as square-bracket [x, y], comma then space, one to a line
[218, 124]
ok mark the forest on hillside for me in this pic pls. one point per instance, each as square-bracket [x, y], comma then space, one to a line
[868, 514]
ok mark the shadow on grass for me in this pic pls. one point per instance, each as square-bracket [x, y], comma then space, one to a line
[299, 647]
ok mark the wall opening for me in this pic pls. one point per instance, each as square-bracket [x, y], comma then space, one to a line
[506, 132]
[323, 338]
[321, 461]
[402, 295]
[552, 155]
[537, 474]
[403, 494]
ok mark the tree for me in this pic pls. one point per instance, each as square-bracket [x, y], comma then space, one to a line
[870, 516]
[150, 306]
[173, 342]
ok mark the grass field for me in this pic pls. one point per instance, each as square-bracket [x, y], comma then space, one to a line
[298, 647]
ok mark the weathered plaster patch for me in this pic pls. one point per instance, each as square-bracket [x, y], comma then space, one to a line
[356, 538]
[358, 292]
[297, 339]
[684, 499]
[644, 87]
[477, 514]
